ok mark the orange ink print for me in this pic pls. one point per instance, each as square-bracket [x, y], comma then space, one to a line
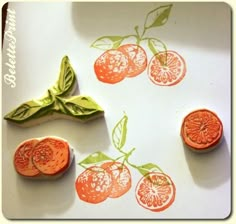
[105, 177]
[202, 130]
[121, 178]
[111, 67]
[166, 68]
[155, 191]
[137, 59]
[120, 61]
[94, 185]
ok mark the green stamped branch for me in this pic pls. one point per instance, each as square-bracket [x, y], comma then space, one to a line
[119, 134]
[155, 18]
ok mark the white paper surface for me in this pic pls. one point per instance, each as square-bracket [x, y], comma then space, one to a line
[45, 32]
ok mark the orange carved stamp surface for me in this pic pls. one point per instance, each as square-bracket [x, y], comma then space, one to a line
[202, 130]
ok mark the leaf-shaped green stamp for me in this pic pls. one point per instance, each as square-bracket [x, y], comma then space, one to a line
[158, 16]
[119, 133]
[81, 107]
[107, 42]
[26, 111]
[66, 81]
[57, 103]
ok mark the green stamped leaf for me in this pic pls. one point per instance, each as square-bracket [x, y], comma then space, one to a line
[158, 16]
[107, 42]
[66, 80]
[119, 133]
[95, 158]
[148, 167]
[156, 45]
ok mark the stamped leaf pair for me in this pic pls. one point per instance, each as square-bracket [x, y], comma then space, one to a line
[57, 100]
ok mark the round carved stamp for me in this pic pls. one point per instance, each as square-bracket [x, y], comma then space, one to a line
[202, 130]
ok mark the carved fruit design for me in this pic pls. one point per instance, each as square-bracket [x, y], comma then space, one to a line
[201, 130]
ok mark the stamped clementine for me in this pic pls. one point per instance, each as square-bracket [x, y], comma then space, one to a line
[121, 178]
[111, 67]
[202, 130]
[137, 59]
[155, 191]
[94, 185]
[166, 68]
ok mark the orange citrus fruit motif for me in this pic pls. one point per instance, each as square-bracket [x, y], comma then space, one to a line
[155, 191]
[166, 68]
[94, 185]
[23, 159]
[137, 59]
[111, 67]
[201, 130]
[121, 178]
[51, 156]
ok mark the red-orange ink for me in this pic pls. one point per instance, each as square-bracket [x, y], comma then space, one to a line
[155, 191]
[111, 67]
[166, 68]
[137, 59]
[121, 178]
[94, 185]
[201, 130]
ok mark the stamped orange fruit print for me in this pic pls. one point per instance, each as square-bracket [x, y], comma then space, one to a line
[167, 68]
[155, 191]
[94, 185]
[122, 60]
[107, 178]
[121, 178]
[202, 130]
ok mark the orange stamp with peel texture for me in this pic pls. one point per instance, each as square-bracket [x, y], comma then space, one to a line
[202, 130]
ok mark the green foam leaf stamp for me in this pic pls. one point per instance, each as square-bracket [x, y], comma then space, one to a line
[56, 102]
[67, 79]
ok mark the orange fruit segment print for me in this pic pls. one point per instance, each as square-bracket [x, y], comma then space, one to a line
[155, 191]
[202, 130]
[23, 159]
[137, 59]
[121, 178]
[94, 185]
[166, 68]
